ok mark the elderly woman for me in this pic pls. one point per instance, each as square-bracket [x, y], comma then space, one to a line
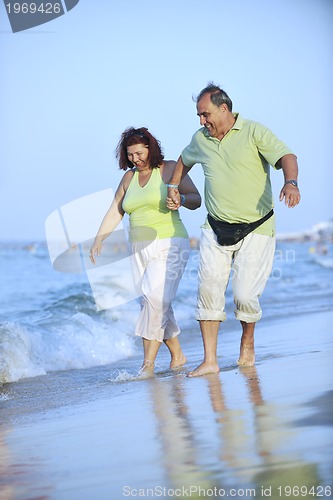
[160, 243]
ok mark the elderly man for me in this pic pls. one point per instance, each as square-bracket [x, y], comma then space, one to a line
[239, 233]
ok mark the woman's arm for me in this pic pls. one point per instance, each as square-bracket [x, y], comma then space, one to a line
[112, 217]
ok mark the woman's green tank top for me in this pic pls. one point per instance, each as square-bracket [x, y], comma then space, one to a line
[149, 216]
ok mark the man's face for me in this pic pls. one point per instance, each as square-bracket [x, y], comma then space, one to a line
[212, 117]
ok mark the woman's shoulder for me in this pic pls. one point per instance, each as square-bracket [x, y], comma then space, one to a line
[127, 177]
[129, 173]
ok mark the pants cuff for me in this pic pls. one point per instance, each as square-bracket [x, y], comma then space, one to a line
[247, 317]
[207, 315]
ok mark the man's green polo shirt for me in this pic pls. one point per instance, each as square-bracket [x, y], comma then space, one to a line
[237, 173]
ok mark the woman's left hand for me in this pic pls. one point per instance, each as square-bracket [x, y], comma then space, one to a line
[171, 204]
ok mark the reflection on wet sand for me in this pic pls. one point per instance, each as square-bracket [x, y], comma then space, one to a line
[244, 443]
[18, 478]
[177, 437]
[6, 489]
[278, 467]
[18, 475]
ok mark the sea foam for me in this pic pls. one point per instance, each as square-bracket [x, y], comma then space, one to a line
[77, 342]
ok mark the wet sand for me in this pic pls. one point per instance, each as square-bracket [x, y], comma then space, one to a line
[244, 433]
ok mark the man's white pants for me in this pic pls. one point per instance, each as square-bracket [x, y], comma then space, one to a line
[248, 263]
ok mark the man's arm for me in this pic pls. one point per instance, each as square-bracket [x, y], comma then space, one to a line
[179, 173]
[289, 192]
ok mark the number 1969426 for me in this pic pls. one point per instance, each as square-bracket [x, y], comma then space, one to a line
[33, 8]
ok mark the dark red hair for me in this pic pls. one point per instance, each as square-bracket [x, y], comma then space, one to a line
[141, 135]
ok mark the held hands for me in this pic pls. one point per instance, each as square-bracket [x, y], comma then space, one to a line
[291, 195]
[173, 199]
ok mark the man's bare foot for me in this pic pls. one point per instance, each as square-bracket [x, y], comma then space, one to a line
[204, 369]
[247, 356]
[146, 370]
[177, 361]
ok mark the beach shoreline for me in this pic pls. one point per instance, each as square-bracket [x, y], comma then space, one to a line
[100, 433]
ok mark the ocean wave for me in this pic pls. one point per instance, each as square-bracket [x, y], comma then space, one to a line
[70, 299]
[324, 261]
[55, 345]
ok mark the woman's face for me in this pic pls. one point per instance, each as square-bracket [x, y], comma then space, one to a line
[138, 156]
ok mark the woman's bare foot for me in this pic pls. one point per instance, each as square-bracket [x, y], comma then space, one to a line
[147, 369]
[204, 369]
[177, 361]
[178, 358]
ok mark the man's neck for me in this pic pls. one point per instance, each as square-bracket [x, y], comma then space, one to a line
[230, 123]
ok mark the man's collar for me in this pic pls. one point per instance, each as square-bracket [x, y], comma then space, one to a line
[239, 121]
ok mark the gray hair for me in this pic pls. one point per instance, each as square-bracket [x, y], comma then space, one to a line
[217, 95]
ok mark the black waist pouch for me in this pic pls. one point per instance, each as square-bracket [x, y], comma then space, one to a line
[230, 234]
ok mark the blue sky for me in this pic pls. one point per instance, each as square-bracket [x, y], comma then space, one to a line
[71, 86]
